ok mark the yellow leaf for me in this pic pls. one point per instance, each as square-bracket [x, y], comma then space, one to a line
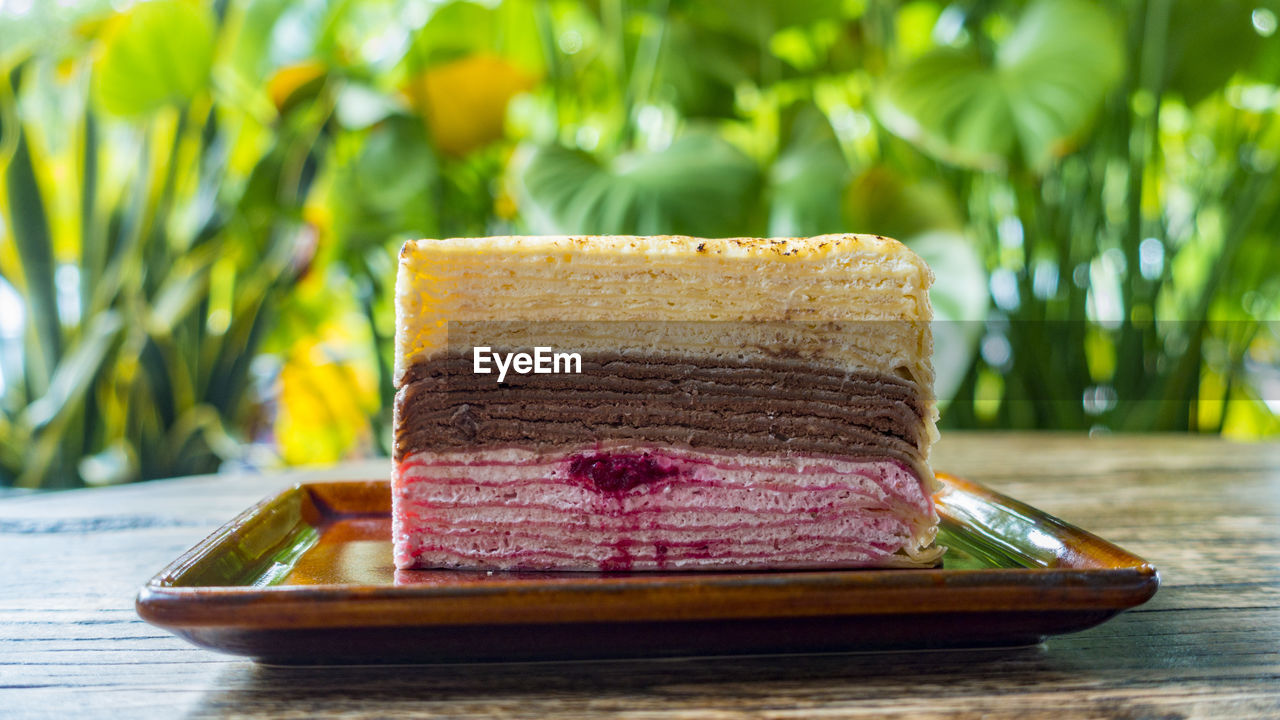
[465, 101]
[288, 80]
[325, 401]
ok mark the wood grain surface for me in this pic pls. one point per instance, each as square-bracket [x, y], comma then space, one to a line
[1205, 511]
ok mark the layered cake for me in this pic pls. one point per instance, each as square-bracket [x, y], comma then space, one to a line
[663, 403]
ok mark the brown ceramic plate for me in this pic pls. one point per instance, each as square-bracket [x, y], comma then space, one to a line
[307, 576]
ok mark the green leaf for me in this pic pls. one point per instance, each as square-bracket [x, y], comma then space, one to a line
[76, 372]
[808, 180]
[396, 164]
[159, 55]
[390, 189]
[701, 70]
[882, 202]
[13, 446]
[1209, 41]
[1048, 79]
[516, 37]
[184, 287]
[701, 185]
[758, 20]
[93, 242]
[461, 28]
[30, 228]
[250, 51]
[455, 29]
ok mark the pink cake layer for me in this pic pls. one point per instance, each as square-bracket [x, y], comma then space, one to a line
[637, 507]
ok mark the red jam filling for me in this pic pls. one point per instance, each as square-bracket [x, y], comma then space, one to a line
[618, 473]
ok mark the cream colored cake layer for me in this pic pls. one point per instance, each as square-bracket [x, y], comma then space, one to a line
[833, 278]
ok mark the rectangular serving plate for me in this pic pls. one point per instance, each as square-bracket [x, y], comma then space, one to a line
[307, 577]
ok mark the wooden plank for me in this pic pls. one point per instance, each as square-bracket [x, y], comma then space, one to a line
[1206, 511]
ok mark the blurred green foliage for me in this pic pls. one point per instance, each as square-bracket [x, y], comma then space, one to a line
[202, 201]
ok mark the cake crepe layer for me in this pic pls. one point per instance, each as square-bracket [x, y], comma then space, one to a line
[516, 509]
[742, 403]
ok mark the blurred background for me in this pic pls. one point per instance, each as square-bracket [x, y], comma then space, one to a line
[202, 201]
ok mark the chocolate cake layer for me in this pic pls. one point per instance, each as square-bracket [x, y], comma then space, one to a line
[759, 406]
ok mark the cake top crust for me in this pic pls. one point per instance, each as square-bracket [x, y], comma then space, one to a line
[674, 246]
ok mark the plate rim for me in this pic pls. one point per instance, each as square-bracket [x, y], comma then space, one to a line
[1127, 582]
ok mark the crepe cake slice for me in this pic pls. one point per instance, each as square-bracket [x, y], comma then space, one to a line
[740, 404]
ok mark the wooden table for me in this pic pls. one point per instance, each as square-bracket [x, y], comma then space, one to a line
[1205, 511]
